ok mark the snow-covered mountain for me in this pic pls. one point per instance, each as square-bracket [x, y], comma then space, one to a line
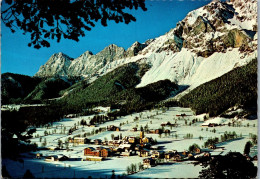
[207, 43]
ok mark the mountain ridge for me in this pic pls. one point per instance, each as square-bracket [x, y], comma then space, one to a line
[209, 42]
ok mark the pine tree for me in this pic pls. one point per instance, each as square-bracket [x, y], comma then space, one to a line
[247, 147]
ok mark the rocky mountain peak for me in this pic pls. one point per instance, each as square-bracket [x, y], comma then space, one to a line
[86, 54]
[134, 49]
[60, 55]
[112, 52]
[56, 65]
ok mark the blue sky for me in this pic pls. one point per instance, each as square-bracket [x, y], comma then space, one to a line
[161, 16]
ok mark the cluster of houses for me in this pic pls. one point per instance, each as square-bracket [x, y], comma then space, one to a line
[141, 146]
[128, 146]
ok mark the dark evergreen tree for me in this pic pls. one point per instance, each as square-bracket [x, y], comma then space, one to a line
[113, 175]
[232, 165]
[247, 147]
[5, 173]
[193, 147]
[28, 175]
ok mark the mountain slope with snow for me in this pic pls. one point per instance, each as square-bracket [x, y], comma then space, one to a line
[209, 42]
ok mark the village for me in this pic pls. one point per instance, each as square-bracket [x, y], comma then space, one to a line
[150, 139]
[127, 146]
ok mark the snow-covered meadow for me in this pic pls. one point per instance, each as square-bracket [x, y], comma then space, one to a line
[176, 140]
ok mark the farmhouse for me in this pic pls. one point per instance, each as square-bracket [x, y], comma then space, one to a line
[113, 128]
[197, 150]
[53, 158]
[90, 151]
[97, 141]
[79, 140]
[99, 152]
[93, 158]
[138, 147]
[158, 131]
[213, 146]
[204, 154]
[154, 147]
[116, 137]
[177, 157]
[126, 146]
[114, 143]
[148, 162]
[166, 123]
[147, 140]
[113, 149]
[182, 115]
[255, 158]
[168, 155]
[127, 153]
[157, 154]
[213, 125]
[144, 153]
[167, 131]
[132, 140]
[53, 148]
[39, 155]
[105, 152]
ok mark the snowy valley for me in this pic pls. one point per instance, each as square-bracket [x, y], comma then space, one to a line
[165, 108]
[76, 166]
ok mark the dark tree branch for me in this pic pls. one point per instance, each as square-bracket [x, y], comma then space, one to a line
[64, 18]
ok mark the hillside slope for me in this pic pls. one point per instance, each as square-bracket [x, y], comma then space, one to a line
[117, 89]
[15, 87]
[237, 87]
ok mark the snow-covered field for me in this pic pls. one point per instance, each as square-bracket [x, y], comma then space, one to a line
[188, 124]
[176, 170]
